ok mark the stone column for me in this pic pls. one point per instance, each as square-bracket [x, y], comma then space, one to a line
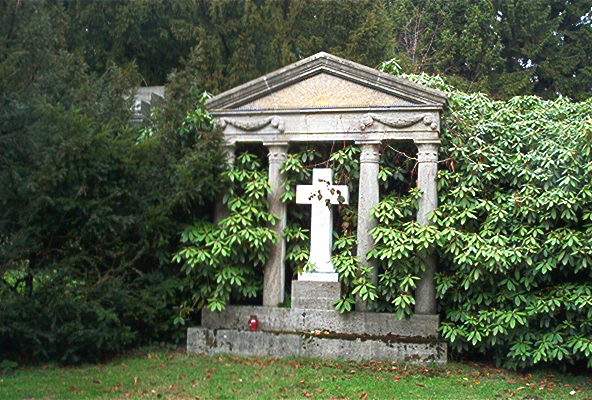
[274, 275]
[427, 168]
[368, 197]
[221, 211]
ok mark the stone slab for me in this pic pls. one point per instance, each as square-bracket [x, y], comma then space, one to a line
[273, 344]
[306, 320]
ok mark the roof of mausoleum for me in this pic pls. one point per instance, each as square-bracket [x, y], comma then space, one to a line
[326, 81]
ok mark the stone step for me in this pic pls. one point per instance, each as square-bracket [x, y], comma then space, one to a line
[277, 319]
[262, 344]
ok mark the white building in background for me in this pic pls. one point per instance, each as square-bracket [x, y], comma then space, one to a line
[144, 99]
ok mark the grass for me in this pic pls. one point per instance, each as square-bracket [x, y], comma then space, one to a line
[175, 375]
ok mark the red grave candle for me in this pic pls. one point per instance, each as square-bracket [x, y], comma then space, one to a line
[253, 323]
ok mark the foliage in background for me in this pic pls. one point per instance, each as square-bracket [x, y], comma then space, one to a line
[502, 47]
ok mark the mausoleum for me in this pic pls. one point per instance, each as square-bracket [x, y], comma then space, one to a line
[324, 98]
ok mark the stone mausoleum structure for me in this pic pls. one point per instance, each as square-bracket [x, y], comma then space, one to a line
[324, 98]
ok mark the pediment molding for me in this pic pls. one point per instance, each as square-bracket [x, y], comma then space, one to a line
[324, 63]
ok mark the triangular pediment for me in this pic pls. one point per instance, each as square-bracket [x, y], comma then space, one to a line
[325, 81]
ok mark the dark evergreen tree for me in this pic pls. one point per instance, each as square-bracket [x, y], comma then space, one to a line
[155, 35]
[501, 47]
[88, 214]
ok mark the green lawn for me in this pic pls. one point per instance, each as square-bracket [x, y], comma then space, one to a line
[175, 375]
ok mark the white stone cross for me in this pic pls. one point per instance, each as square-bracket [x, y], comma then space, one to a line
[320, 195]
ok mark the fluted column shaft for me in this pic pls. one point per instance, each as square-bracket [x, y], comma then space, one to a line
[368, 197]
[274, 275]
[427, 169]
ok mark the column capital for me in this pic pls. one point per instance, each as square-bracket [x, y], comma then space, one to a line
[229, 149]
[278, 152]
[427, 151]
[370, 152]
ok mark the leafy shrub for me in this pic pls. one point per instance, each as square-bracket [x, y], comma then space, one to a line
[225, 259]
[72, 322]
[513, 230]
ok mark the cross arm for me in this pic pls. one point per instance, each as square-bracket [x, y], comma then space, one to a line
[333, 194]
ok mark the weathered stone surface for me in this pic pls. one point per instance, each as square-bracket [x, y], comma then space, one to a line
[362, 350]
[275, 344]
[200, 340]
[324, 90]
[145, 98]
[368, 198]
[321, 195]
[315, 294]
[277, 319]
[427, 169]
[327, 125]
[274, 275]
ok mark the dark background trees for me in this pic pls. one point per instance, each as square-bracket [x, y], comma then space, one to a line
[501, 47]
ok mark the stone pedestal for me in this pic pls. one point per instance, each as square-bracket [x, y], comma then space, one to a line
[427, 169]
[368, 197]
[274, 275]
[315, 295]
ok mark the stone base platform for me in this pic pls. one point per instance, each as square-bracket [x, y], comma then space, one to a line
[276, 344]
[318, 333]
